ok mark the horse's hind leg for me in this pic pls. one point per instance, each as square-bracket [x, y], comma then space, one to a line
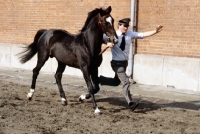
[58, 77]
[41, 61]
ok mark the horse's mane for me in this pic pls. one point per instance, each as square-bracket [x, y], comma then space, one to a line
[90, 16]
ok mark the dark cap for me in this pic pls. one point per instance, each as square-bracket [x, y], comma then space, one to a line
[125, 21]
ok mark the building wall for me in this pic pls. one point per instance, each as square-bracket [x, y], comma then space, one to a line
[20, 19]
[181, 21]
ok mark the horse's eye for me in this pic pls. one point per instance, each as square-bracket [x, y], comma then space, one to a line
[106, 23]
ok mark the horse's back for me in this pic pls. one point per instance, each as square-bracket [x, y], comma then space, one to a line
[58, 34]
[61, 46]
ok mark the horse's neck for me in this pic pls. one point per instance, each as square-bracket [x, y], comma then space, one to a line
[94, 38]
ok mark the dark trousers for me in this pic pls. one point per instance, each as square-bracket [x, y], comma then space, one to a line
[119, 67]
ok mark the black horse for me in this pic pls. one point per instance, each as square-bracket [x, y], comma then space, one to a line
[79, 51]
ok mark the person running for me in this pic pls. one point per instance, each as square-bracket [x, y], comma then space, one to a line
[120, 55]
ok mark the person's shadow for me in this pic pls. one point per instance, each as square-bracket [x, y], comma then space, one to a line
[120, 102]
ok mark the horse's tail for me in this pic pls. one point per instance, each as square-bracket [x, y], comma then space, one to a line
[31, 50]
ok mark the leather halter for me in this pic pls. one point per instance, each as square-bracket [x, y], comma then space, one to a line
[103, 30]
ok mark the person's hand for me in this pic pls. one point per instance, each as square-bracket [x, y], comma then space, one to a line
[159, 28]
[110, 44]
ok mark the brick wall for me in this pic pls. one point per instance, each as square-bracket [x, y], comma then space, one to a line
[181, 34]
[20, 19]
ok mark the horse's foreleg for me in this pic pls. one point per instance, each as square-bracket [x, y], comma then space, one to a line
[58, 77]
[95, 81]
[90, 89]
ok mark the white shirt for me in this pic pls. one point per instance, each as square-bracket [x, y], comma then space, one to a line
[117, 53]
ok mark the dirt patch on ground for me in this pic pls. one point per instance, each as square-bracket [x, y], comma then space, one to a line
[44, 114]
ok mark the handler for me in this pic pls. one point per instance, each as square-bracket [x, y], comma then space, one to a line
[120, 55]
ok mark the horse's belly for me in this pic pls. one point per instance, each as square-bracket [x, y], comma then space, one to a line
[68, 59]
[64, 55]
[71, 61]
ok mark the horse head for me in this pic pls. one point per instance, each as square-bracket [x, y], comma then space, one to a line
[106, 24]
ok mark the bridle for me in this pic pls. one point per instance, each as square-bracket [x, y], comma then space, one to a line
[103, 30]
[100, 23]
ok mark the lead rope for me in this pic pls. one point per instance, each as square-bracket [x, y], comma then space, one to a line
[102, 51]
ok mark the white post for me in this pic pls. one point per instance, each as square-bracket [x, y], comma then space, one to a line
[129, 70]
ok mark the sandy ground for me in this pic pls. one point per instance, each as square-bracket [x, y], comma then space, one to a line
[44, 114]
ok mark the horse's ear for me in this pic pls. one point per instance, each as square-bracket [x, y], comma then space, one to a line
[108, 10]
[105, 11]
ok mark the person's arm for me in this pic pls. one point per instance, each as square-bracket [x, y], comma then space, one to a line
[150, 33]
[110, 44]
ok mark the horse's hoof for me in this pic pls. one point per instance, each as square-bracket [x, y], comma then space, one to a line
[64, 102]
[97, 111]
[81, 98]
[28, 97]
